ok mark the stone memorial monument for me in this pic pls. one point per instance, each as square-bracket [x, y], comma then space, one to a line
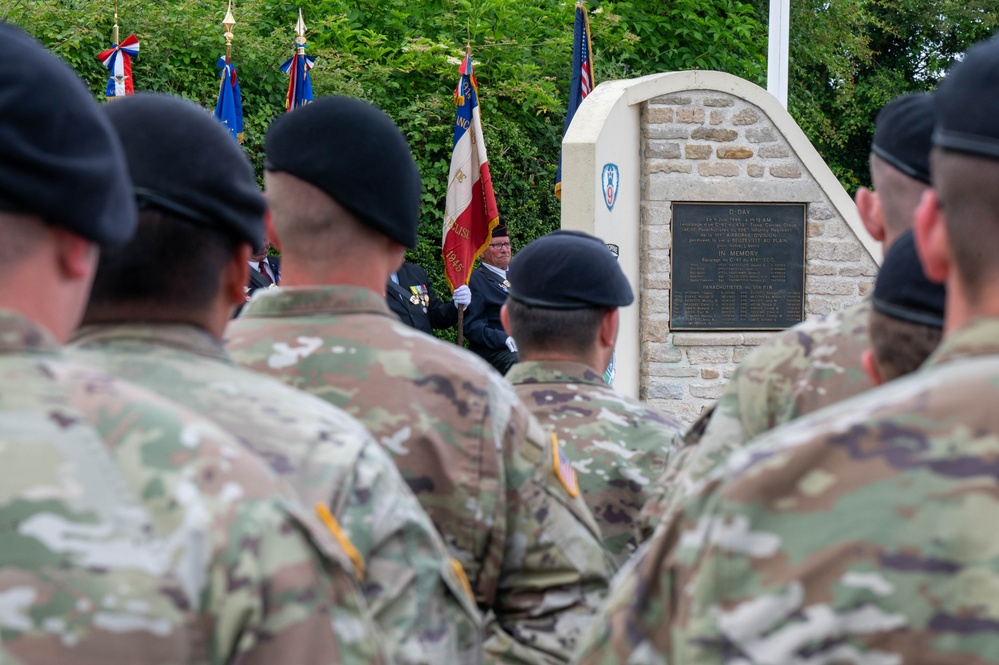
[727, 221]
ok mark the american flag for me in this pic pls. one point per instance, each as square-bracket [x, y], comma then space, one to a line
[563, 469]
[582, 78]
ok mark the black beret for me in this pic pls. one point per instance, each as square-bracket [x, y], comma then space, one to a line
[356, 155]
[568, 270]
[902, 290]
[903, 133]
[967, 103]
[500, 231]
[183, 161]
[59, 158]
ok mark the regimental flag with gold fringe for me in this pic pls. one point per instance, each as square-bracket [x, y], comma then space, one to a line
[118, 60]
[470, 212]
[582, 78]
[229, 108]
[300, 81]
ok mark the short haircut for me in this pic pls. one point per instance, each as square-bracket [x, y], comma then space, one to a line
[899, 346]
[20, 235]
[312, 227]
[900, 195]
[537, 329]
[969, 196]
[169, 263]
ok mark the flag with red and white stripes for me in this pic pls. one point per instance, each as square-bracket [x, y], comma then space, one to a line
[300, 81]
[470, 211]
[563, 469]
[582, 78]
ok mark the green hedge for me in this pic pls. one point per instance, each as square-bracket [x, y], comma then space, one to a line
[402, 55]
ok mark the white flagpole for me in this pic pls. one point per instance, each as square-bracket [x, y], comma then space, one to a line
[780, 21]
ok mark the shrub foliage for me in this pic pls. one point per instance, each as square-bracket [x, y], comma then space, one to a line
[402, 55]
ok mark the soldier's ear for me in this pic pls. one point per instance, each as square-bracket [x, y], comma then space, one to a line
[609, 327]
[505, 319]
[236, 275]
[77, 256]
[269, 231]
[932, 241]
[871, 367]
[871, 214]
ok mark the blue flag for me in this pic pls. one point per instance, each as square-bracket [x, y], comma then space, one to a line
[229, 108]
[582, 78]
[300, 83]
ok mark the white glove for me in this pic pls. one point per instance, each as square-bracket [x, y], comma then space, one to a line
[512, 345]
[462, 296]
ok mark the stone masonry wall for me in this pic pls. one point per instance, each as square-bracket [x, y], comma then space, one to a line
[711, 146]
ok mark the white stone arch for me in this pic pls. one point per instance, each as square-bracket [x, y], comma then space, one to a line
[608, 129]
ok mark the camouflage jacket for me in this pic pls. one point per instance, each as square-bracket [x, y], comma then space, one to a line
[414, 593]
[136, 532]
[617, 445]
[859, 534]
[810, 366]
[478, 462]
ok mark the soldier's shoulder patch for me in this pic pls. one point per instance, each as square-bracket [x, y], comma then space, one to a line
[459, 572]
[337, 531]
[563, 469]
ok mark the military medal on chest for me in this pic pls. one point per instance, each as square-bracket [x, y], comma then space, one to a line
[421, 296]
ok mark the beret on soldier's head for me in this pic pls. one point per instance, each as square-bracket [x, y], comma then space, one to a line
[967, 103]
[357, 156]
[184, 162]
[902, 290]
[500, 231]
[59, 158]
[903, 134]
[568, 270]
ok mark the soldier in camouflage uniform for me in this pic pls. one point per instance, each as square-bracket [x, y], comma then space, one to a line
[133, 531]
[907, 314]
[815, 363]
[565, 291]
[478, 462]
[164, 332]
[859, 534]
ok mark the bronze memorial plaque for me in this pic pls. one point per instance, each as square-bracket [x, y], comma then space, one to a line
[737, 266]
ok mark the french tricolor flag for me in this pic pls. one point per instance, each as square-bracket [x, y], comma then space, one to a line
[118, 60]
[470, 212]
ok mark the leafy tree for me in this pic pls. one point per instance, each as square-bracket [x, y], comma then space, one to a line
[722, 35]
[848, 58]
[402, 55]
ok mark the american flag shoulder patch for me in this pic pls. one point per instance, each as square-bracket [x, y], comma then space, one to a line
[563, 469]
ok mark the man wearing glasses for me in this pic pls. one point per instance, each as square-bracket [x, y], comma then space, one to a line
[483, 328]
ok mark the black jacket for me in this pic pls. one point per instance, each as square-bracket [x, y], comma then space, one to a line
[261, 281]
[427, 313]
[483, 328]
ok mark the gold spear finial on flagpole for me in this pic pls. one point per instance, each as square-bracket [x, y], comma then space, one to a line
[228, 23]
[300, 32]
[114, 31]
